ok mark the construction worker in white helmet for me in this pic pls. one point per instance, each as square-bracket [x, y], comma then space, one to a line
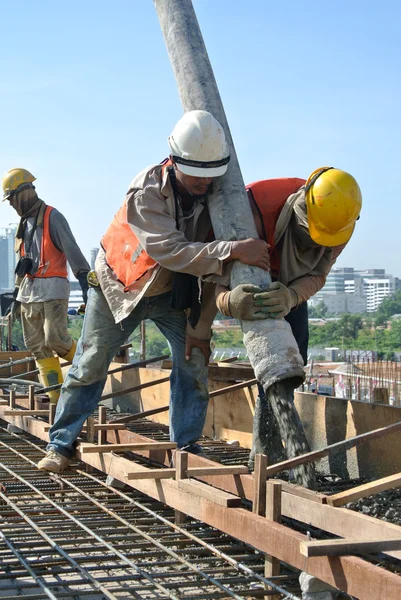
[44, 245]
[148, 267]
[307, 224]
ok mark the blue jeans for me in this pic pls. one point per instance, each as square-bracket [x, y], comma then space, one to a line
[100, 339]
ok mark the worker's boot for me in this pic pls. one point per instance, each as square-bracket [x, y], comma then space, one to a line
[50, 374]
[53, 462]
[71, 352]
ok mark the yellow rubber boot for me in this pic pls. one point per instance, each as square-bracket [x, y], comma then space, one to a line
[71, 352]
[50, 374]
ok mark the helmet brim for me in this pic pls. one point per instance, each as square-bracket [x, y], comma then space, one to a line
[199, 172]
[330, 239]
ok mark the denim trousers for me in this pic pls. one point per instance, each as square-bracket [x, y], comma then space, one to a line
[100, 339]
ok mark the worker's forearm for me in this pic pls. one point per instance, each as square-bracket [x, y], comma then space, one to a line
[223, 300]
[308, 286]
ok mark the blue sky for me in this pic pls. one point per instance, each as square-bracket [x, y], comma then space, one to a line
[88, 98]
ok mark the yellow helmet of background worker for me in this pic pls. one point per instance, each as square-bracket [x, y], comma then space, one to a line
[333, 203]
[15, 180]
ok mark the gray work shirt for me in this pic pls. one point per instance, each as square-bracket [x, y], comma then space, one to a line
[42, 289]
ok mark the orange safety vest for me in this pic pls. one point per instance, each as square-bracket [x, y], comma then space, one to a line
[53, 262]
[124, 254]
[270, 195]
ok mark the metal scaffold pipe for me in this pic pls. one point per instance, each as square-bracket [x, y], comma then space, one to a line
[271, 347]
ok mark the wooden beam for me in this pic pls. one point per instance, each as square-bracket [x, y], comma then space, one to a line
[219, 470]
[345, 444]
[347, 547]
[203, 490]
[102, 418]
[149, 474]
[26, 413]
[101, 427]
[340, 521]
[181, 468]
[273, 512]
[362, 491]
[259, 478]
[128, 447]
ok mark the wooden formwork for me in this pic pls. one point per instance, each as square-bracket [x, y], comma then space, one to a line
[211, 493]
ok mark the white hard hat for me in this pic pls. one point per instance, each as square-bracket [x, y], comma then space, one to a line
[198, 145]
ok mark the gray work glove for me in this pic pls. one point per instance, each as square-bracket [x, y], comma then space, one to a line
[241, 303]
[276, 302]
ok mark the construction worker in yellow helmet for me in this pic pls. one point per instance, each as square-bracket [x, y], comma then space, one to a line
[307, 224]
[44, 244]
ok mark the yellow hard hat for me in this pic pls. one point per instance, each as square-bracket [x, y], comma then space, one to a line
[333, 203]
[14, 179]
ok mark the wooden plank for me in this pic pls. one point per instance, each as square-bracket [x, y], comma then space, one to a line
[198, 488]
[101, 427]
[129, 447]
[149, 474]
[52, 413]
[102, 418]
[347, 547]
[346, 444]
[181, 468]
[31, 397]
[362, 491]
[25, 413]
[273, 512]
[259, 478]
[220, 470]
[340, 521]
[298, 490]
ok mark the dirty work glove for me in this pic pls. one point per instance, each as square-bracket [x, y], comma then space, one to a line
[203, 345]
[83, 282]
[276, 302]
[241, 303]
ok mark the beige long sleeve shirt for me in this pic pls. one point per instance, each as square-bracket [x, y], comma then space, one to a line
[152, 217]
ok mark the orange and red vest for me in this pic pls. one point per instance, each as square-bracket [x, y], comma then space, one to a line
[53, 262]
[124, 254]
[270, 195]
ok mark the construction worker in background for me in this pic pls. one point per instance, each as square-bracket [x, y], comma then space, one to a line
[307, 224]
[147, 268]
[44, 244]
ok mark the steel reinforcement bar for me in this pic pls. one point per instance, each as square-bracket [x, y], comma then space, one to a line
[74, 536]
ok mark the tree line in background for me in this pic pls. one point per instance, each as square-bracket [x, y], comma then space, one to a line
[348, 331]
[372, 331]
